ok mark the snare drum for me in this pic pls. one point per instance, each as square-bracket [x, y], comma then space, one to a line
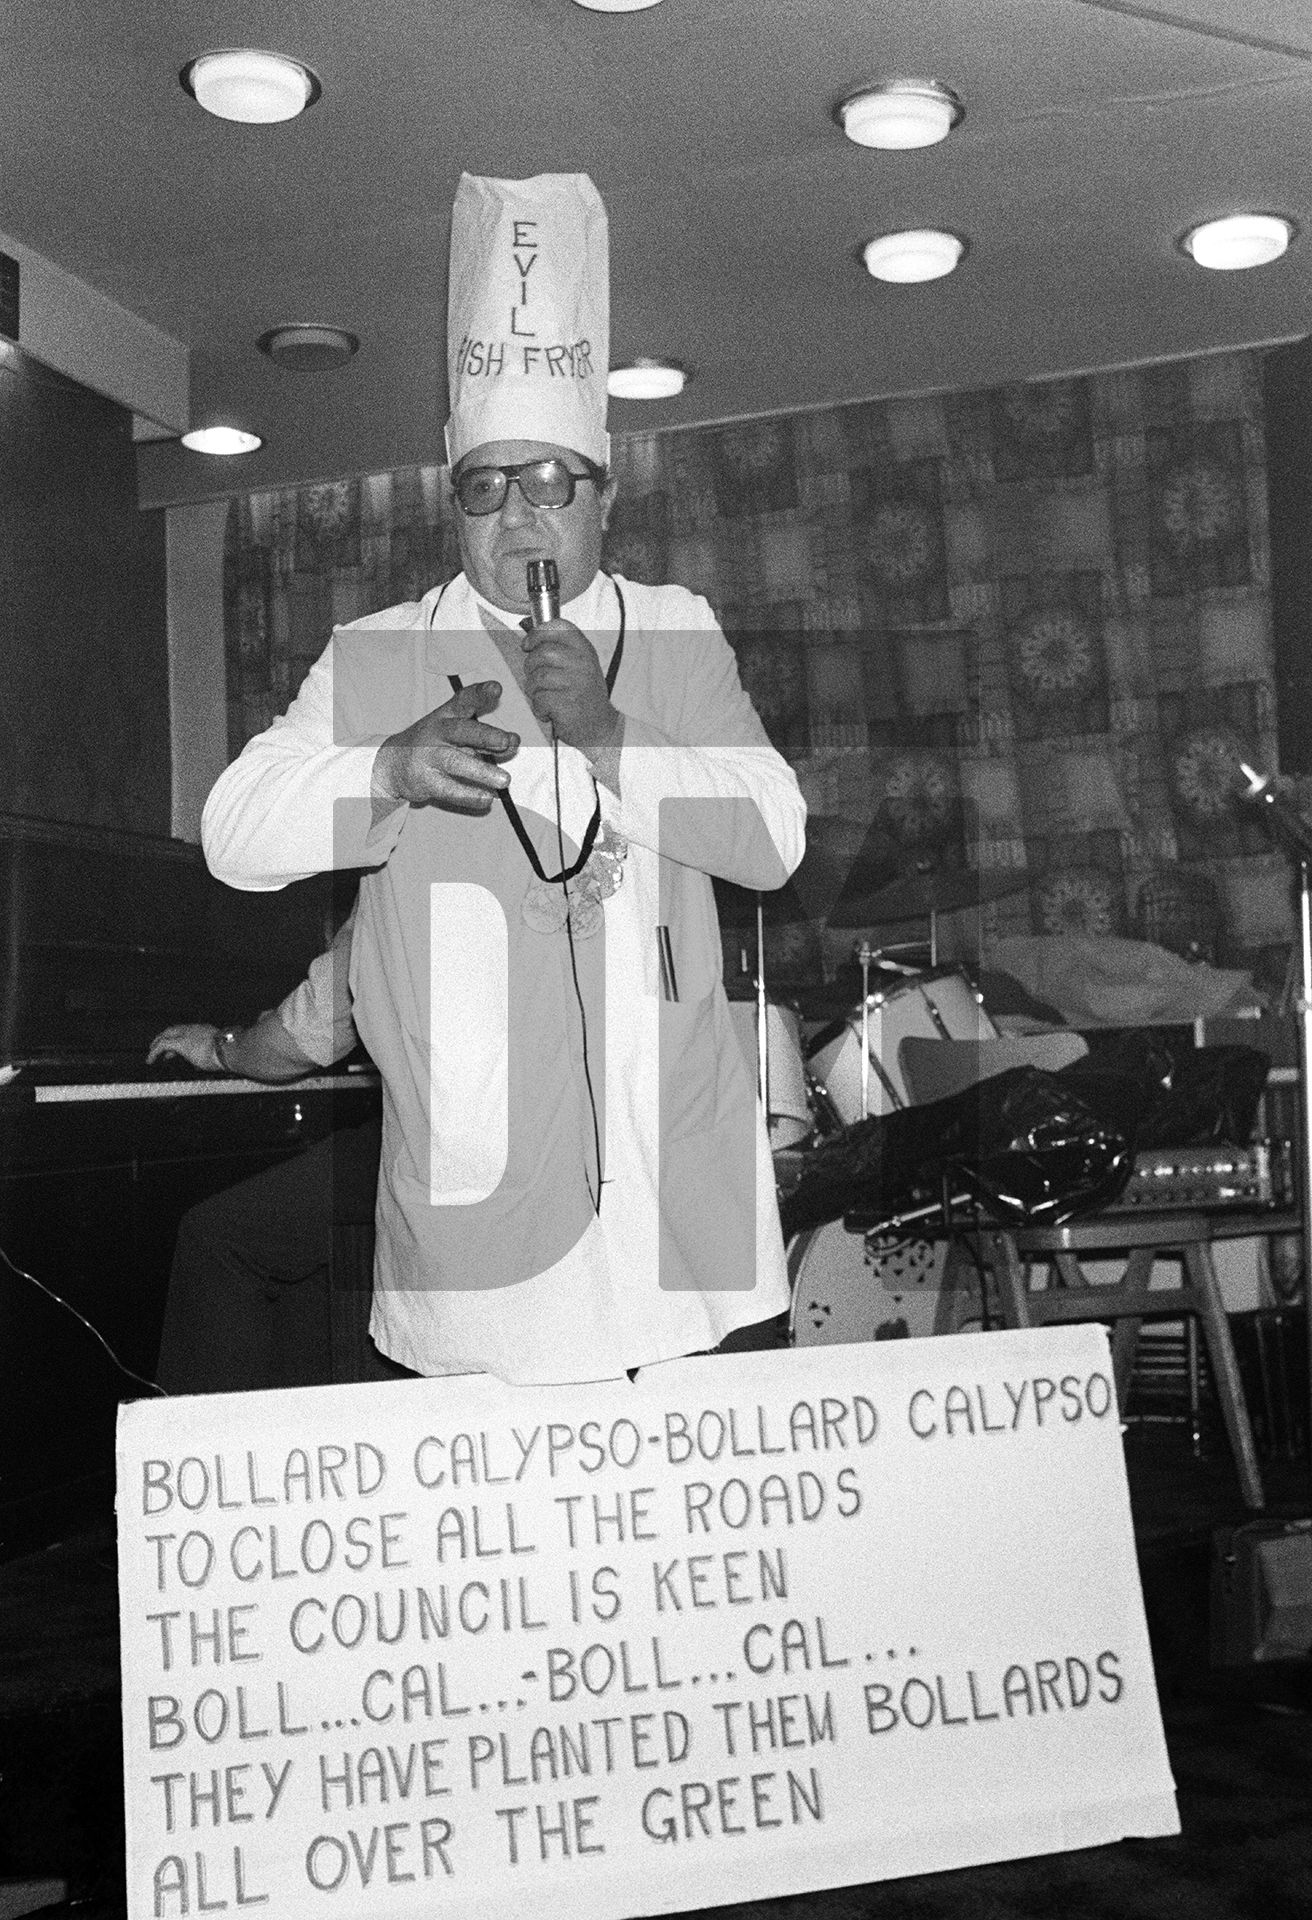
[790, 1108]
[933, 1006]
[862, 1286]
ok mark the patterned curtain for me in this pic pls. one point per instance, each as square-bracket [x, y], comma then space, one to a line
[1023, 632]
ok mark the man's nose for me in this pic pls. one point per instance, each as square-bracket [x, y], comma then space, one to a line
[515, 509]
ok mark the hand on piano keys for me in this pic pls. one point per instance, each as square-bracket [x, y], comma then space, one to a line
[194, 1042]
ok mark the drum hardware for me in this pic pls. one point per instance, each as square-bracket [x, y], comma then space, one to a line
[790, 1116]
[771, 1036]
[864, 957]
[831, 999]
[829, 1121]
[942, 1211]
[926, 1005]
[840, 1270]
[879, 957]
[853, 1286]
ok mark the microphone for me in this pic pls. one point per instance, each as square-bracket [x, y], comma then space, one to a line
[1283, 819]
[544, 598]
[543, 591]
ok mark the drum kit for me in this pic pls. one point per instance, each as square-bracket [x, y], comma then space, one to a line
[824, 1064]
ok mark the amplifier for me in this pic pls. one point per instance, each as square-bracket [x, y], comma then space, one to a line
[1211, 1179]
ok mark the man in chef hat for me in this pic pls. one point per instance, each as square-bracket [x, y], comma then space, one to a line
[575, 1177]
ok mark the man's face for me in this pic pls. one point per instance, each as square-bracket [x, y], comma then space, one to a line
[497, 547]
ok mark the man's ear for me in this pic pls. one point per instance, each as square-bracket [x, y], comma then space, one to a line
[608, 494]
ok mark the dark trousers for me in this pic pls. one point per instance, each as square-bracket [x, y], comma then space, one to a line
[228, 1322]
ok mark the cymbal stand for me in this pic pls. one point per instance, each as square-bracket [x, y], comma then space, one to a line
[1305, 1074]
[880, 957]
[1294, 837]
[865, 955]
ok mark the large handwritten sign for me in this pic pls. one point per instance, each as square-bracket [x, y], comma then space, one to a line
[740, 1627]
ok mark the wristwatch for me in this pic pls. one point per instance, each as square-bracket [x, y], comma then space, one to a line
[223, 1038]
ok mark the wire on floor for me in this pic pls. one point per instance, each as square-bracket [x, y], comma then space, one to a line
[59, 1300]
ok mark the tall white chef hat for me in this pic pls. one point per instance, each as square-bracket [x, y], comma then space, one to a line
[528, 314]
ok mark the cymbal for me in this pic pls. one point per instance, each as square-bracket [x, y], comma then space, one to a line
[914, 896]
[841, 855]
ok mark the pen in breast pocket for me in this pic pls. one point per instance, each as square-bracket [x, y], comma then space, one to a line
[665, 960]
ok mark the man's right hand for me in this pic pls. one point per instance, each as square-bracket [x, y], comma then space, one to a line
[448, 758]
[193, 1042]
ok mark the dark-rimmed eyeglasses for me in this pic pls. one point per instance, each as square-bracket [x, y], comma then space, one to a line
[543, 483]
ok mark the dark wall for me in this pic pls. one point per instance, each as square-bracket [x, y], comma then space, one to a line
[1287, 379]
[84, 704]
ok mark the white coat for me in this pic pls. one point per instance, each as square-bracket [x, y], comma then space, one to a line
[492, 1252]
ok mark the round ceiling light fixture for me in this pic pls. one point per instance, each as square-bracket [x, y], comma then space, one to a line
[647, 378]
[921, 253]
[1239, 240]
[243, 83]
[616, 6]
[900, 114]
[221, 441]
[307, 346]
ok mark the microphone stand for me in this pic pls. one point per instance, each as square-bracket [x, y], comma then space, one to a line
[1294, 837]
[1305, 1097]
[864, 957]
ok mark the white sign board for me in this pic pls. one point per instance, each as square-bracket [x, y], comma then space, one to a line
[742, 1627]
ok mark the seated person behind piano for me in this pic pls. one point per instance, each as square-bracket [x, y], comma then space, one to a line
[276, 1228]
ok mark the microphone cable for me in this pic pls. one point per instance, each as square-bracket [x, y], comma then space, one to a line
[578, 991]
[543, 584]
[542, 594]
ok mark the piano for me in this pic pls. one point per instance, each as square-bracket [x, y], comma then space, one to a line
[104, 939]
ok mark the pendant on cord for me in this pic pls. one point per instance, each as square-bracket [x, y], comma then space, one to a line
[547, 904]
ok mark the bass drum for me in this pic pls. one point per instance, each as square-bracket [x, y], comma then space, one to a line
[790, 1118]
[862, 1286]
[934, 1006]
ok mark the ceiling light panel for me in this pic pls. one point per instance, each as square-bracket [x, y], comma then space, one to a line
[901, 114]
[221, 441]
[308, 346]
[247, 84]
[647, 379]
[1239, 240]
[921, 253]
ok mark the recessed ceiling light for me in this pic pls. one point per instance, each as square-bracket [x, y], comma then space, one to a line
[900, 114]
[221, 440]
[1239, 240]
[616, 6]
[922, 253]
[647, 379]
[242, 83]
[305, 346]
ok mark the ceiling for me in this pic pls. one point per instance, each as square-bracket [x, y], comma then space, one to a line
[1095, 133]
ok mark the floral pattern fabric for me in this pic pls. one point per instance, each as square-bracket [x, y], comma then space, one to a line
[1025, 631]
